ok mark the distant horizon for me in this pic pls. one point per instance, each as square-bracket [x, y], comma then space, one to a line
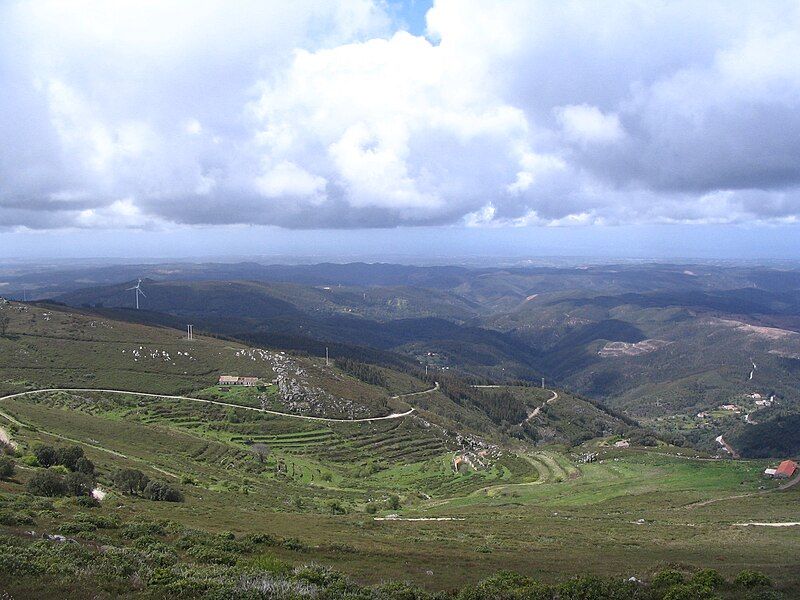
[428, 244]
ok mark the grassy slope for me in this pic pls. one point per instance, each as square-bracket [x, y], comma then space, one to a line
[537, 512]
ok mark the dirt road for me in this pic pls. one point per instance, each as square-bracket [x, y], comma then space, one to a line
[218, 403]
[538, 409]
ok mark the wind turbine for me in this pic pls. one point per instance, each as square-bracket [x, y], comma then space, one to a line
[138, 288]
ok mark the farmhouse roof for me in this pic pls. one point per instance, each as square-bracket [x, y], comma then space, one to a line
[787, 468]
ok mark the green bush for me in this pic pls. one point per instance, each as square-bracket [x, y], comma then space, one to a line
[87, 501]
[689, 591]
[30, 460]
[271, 564]
[11, 518]
[507, 585]
[137, 529]
[751, 579]
[668, 578]
[708, 578]
[210, 554]
[7, 468]
[335, 507]
[594, 588]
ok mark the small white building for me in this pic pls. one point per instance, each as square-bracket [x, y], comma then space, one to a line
[233, 380]
[770, 472]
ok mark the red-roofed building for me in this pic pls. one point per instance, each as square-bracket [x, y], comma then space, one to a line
[786, 469]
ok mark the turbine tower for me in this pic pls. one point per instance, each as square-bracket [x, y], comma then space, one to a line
[138, 288]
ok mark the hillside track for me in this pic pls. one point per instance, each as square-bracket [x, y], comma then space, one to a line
[532, 414]
[535, 412]
[217, 402]
[408, 395]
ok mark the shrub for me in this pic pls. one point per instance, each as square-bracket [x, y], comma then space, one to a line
[138, 529]
[260, 538]
[159, 490]
[506, 585]
[335, 507]
[30, 460]
[87, 501]
[46, 455]
[668, 578]
[212, 555]
[708, 578]
[130, 481]
[318, 575]
[271, 564]
[7, 468]
[47, 483]
[751, 579]
[16, 518]
[689, 591]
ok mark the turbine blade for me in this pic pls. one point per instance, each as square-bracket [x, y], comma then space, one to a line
[142, 293]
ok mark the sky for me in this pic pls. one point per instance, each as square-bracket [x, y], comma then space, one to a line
[634, 128]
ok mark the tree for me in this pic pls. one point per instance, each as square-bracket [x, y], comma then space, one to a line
[4, 321]
[261, 451]
[46, 455]
[47, 483]
[78, 484]
[7, 468]
[84, 465]
[131, 481]
[69, 456]
[159, 490]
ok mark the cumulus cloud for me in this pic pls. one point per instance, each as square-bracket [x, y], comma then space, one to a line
[315, 115]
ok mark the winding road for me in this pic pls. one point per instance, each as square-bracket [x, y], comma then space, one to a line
[538, 409]
[228, 404]
[531, 414]
[430, 391]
